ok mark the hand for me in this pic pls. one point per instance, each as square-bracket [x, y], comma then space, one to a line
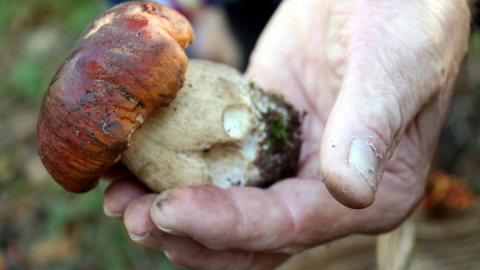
[375, 78]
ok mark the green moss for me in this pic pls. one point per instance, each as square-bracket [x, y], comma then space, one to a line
[275, 123]
[276, 131]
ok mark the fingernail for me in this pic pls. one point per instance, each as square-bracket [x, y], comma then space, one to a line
[170, 231]
[363, 158]
[167, 254]
[138, 238]
[146, 239]
[110, 214]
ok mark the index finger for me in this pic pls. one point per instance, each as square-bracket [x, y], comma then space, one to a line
[289, 217]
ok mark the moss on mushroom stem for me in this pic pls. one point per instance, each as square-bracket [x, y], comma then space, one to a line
[282, 126]
[275, 123]
[276, 130]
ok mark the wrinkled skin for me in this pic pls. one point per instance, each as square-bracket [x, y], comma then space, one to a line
[380, 71]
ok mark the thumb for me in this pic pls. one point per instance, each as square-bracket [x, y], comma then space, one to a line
[388, 80]
[359, 137]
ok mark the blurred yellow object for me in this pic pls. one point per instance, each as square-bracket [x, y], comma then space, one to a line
[444, 190]
[2, 262]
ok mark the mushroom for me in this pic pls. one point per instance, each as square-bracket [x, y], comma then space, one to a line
[220, 130]
[116, 97]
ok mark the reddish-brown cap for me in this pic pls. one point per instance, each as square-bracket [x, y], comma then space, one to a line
[126, 64]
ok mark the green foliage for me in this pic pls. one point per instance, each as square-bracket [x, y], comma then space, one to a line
[38, 36]
[26, 77]
[7, 12]
[474, 46]
[76, 20]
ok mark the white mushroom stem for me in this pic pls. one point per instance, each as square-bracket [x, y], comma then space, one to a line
[199, 138]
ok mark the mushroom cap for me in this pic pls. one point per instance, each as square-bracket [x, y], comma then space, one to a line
[126, 64]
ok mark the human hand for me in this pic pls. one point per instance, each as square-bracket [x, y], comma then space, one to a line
[376, 79]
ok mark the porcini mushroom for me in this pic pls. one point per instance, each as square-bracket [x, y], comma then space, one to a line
[118, 88]
[220, 130]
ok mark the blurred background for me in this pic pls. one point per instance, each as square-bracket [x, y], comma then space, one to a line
[44, 227]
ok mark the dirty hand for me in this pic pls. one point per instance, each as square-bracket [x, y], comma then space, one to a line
[375, 78]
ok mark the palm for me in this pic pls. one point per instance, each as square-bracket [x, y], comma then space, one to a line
[308, 68]
[307, 62]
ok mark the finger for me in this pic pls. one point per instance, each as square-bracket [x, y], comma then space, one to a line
[288, 217]
[120, 194]
[389, 77]
[186, 251]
